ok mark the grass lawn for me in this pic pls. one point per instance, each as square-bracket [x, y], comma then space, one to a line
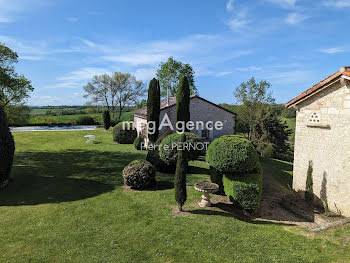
[66, 205]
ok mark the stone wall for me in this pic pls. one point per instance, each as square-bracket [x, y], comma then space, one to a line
[323, 137]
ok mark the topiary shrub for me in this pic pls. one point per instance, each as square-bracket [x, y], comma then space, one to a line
[7, 149]
[139, 174]
[232, 154]
[106, 119]
[124, 135]
[138, 143]
[269, 151]
[216, 177]
[245, 190]
[85, 120]
[153, 156]
[168, 149]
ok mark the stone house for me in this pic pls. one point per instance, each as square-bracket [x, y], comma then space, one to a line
[323, 137]
[201, 110]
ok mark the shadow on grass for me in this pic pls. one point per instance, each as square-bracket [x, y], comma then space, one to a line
[53, 177]
[281, 171]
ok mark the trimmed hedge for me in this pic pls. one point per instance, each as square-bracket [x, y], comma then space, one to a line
[139, 174]
[85, 120]
[124, 136]
[232, 154]
[168, 151]
[216, 177]
[138, 143]
[153, 156]
[244, 191]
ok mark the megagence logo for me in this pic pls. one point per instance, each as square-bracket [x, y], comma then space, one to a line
[180, 126]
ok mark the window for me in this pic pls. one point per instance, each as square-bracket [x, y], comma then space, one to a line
[205, 134]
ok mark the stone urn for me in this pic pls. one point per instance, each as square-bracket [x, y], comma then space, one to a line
[206, 188]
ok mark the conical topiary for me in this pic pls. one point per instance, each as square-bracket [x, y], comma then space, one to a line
[7, 149]
[180, 175]
[153, 108]
[183, 101]
[106, 119]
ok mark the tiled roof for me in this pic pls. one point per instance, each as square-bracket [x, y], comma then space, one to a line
[344, 71]
[172, 101]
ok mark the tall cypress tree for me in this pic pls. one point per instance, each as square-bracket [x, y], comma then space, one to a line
[183, 101]
[106, 119]
[180, 175]
[153, 107]
[7, 149]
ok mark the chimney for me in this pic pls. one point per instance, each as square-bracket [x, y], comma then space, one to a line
[343, 69]
[167, 96]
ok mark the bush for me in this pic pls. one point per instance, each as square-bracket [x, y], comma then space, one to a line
[216, 177]
[232, 154]
[153, 156]
[138, 142]
[124, 136]
[244, 190]
[7, 149]
[269, 151]
[168, 153]
[139, 174]
[106, 120]
[85, 120]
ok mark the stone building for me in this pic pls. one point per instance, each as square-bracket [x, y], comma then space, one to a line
[323, 137]
[201, 110]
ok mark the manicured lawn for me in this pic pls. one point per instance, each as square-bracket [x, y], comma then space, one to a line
[66, 205]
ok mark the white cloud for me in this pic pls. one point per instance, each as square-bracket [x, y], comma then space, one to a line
[239, 21]
[145, 73]
[284, 3]
[251, 68]
[224, 73]
[337, 3]
[229, 5]
[295, 18]
[72, 19]
[138, 59]
[332, 50]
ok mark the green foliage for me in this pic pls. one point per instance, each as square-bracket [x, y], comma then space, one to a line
[14, 88]
[106, 120]
[169, 75]
[309, 192]
[216, 177]
[139, 174]
[232, 154]
[124, 135]
[168, 149]
[85, 120]
[183, 102]
[7, 149]
[17, 115]
[153, 108]
[244, 190]
[180, 175]
[138, 142]
[269, 151]
[154, 158]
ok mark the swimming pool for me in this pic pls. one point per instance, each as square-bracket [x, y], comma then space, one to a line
[56, 128]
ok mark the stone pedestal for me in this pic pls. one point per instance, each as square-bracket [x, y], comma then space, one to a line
[205, 202]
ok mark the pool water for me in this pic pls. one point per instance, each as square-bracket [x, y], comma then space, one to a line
[56, 128]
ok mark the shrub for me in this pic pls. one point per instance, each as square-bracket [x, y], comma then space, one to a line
[7, 149]
[269, 151]
[106, 119]
[216, 177]
[138, 142]
[168, 152]
[183, 101]
[232, 154]
[309, 193]
[244, 190]
[153, 107]
[85, 120]
[153, 156]
[139, 174]
[124, 136]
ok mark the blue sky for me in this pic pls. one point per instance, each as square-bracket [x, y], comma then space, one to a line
[61, 44]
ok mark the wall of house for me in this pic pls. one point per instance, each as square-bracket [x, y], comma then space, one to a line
[323, 137]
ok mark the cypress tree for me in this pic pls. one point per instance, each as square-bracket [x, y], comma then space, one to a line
[180, 175]
[153, 107]
[309, 193]
[183, 101]
[7, 149]
[106, 119]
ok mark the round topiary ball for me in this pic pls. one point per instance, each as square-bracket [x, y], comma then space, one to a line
[232, 154]
[168, 148]
[138, 143]
[139, 174]
[124, 134]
